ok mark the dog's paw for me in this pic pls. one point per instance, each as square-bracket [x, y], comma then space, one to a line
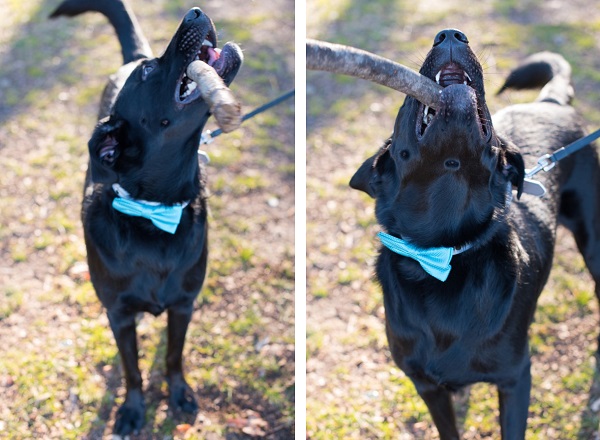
[130, 417]
[181, 397]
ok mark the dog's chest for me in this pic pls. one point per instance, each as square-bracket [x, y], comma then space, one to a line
[161, 268]
[448, 360]
[449, 336]
[143, 274]
[156, 287]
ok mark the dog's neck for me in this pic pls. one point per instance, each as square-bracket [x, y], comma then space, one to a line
[123, 193]
[500, 213]
[164, 217]
[436, 260]
[167, 180]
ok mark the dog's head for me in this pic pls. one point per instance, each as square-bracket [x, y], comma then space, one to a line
[160, 111]
[444, 173]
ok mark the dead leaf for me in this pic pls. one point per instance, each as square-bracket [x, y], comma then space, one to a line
[251, 423]
[181, 429]
[237, 422]
[79, 272]
[7, 381]
[254, 431]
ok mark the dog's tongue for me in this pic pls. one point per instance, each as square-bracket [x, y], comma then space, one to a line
[451, 74]
[213, 55]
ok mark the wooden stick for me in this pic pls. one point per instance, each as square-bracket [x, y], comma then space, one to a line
[347, 60]
[223, 105]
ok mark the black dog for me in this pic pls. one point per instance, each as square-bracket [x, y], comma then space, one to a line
[444, 180]
[144, 208]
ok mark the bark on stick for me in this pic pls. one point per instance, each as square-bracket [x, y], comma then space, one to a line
[223, 105]
[337, 58]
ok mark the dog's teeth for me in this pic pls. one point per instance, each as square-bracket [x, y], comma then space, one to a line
[189, 88]
[425, 114]
[468, 77]
[207, 43]
[437, 77]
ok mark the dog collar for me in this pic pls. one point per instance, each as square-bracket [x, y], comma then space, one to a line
[435, 261]
[164, 217]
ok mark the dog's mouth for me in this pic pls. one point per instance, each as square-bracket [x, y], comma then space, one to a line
[187, 90]
[201, 47]
[453, 74]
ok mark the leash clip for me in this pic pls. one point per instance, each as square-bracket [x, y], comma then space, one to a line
[206, 138]
[545, 163]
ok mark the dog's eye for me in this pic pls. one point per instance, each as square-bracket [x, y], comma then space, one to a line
[146, 69]
[404, 154]
[165, 122]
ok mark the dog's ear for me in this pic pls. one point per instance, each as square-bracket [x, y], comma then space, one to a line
[514, 166]
[362, 178]
[104, 148]
[368, 175]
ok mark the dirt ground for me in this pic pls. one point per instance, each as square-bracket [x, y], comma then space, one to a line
[60, 375]
[354, 390]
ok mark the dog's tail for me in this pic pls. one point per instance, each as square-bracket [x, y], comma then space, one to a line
[133, 42]
[543, 69]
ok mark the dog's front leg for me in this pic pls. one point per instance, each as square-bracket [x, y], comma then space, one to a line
[181, 395]
[131, 415]
[514, 405]
[439, 403]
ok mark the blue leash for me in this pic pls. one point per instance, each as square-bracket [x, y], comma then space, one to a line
[208, 135]
[548, 161]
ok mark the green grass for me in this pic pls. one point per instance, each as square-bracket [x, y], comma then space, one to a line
[10, 301]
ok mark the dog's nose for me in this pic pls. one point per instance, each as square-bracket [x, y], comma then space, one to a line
[450, 36]
[193, 14]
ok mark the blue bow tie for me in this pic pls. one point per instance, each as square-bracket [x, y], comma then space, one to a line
[435, 261]
[163, 217]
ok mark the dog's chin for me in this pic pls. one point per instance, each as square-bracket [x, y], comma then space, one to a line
[225, 61]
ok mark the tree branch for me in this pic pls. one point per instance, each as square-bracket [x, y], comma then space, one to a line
[347, 60]
[223, 105]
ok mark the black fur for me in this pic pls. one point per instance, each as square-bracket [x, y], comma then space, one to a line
[147, 141]
[445, 184]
